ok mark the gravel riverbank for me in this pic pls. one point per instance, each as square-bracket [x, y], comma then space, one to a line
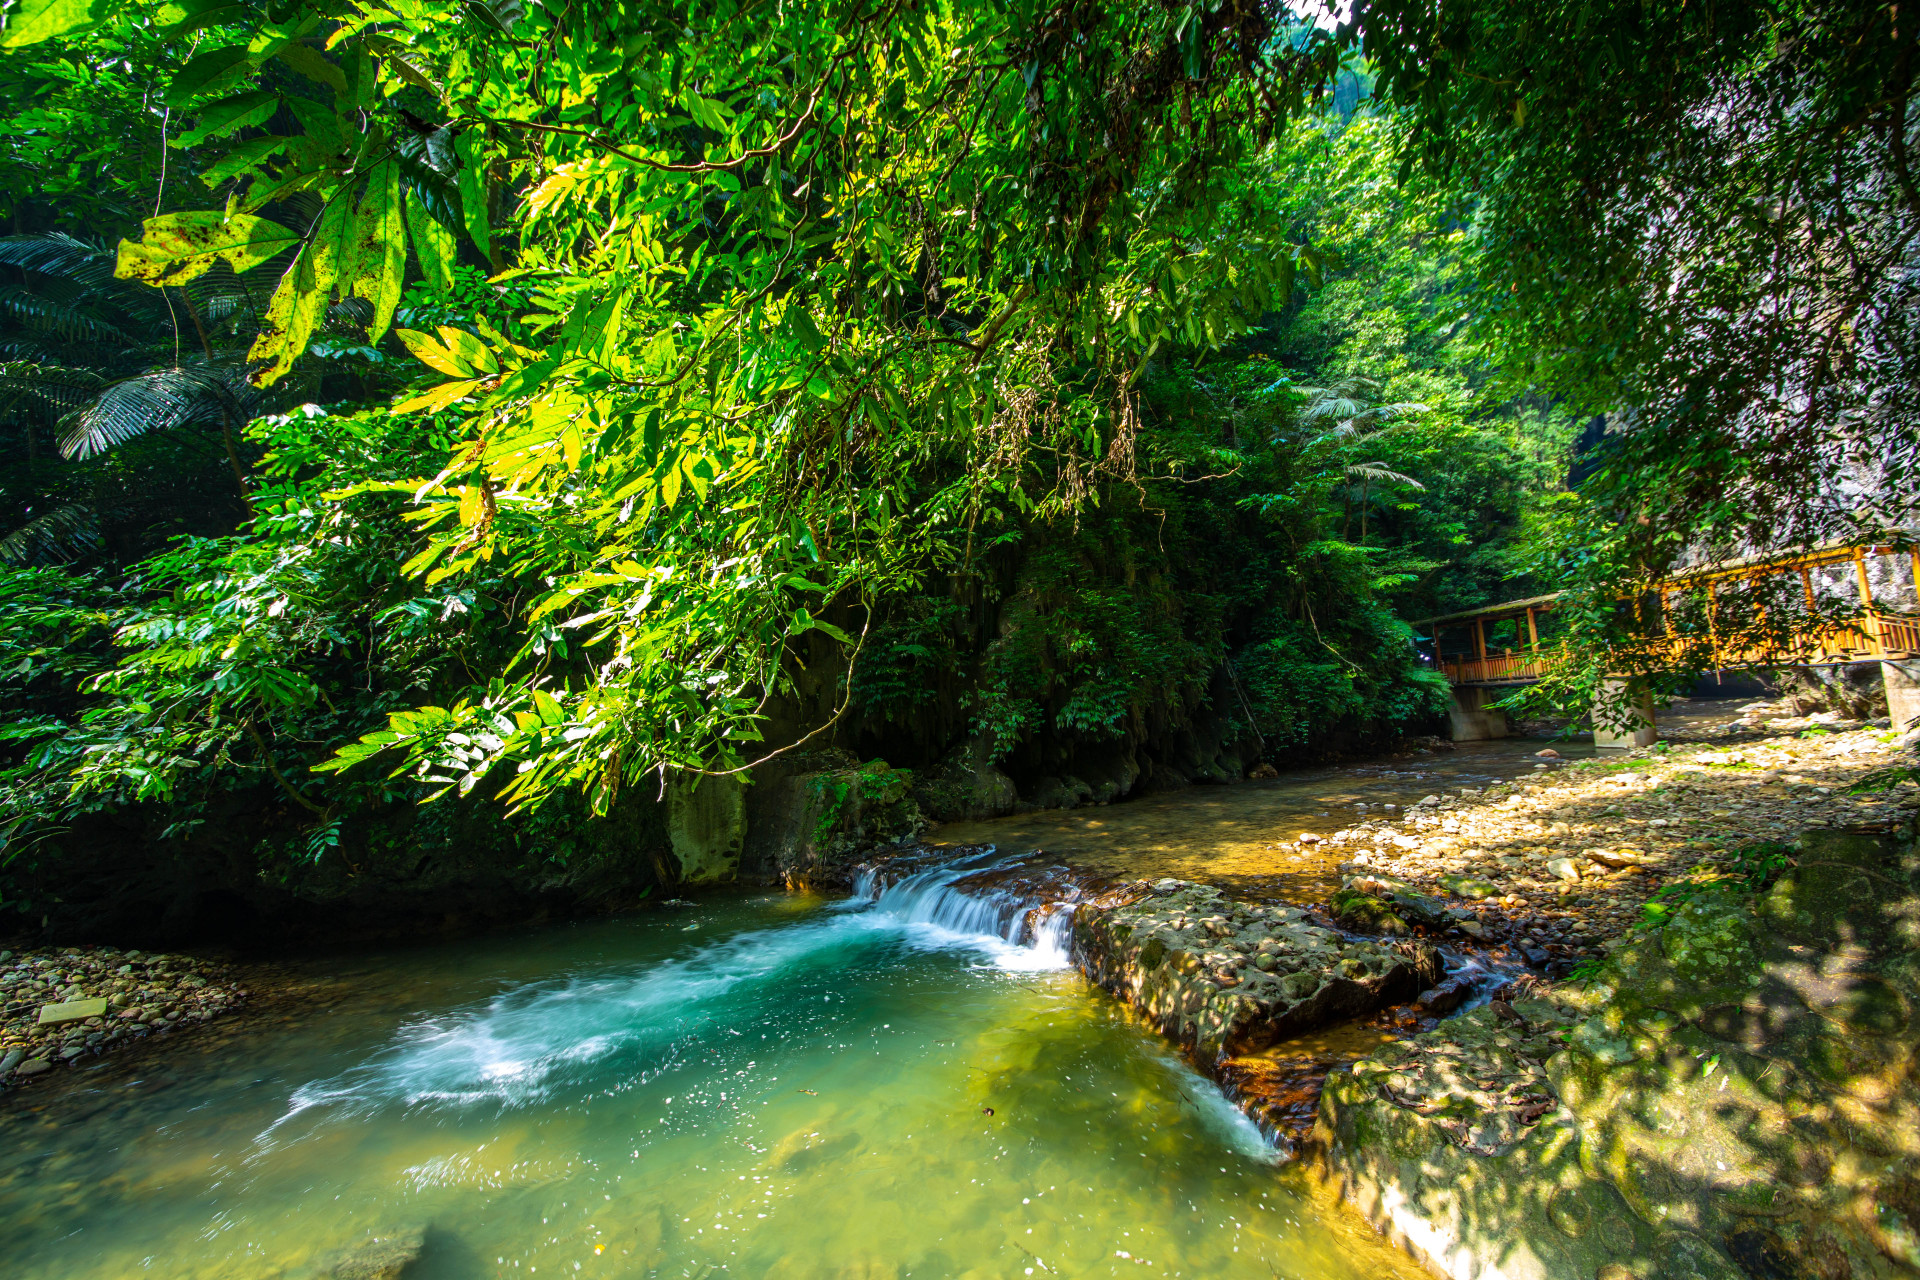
[1556, 866]
[63, 1004]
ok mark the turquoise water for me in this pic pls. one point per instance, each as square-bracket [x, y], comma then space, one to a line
[765, 1086]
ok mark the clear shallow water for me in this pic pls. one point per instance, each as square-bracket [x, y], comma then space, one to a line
[770, 1086]
[1235, 836]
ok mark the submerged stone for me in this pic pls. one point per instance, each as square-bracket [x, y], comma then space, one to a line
[380, 1257]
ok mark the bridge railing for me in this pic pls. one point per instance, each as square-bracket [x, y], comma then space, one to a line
[1883, 583]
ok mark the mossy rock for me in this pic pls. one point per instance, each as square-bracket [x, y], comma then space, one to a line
[1468, 887]
[1366, 913]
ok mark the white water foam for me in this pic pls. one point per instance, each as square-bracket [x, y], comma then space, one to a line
[1231, 1127]
[1013, 931]
[513, 1050]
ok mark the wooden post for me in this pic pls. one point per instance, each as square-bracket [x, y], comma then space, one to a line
[1480, 639]
[1533, 632]
[1872, 628]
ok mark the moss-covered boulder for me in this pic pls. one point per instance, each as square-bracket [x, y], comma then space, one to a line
[1224, 977]
[1366, 913]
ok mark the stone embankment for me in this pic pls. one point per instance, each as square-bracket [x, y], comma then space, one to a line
[60, 1005]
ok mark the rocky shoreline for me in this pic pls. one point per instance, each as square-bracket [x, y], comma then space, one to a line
[1727, 1088]
[1731, 1096]
[60, 1005]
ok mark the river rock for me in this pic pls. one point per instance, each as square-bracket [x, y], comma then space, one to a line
[1734, 1094]
[72, 1011]
[1366, 913]
[1188, 960]
[380, 1257]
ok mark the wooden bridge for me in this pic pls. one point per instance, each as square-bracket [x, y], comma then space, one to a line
[1864, 597]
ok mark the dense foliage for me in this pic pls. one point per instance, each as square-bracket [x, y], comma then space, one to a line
[532, 402]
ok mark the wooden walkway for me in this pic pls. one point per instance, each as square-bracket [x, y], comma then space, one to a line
[1503, 645]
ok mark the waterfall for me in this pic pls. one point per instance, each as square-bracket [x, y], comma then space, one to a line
[1019, 921]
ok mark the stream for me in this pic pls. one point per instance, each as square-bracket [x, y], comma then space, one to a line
[911, 1082]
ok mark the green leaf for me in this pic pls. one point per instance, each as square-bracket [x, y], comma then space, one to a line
[202, 71]
[33, 21]
[433, 243]
[223, 117]
[178, 17]
[177, 247]
[243, 157]
[551, 712]
[805, 332]
[473, 189]
[313, 64]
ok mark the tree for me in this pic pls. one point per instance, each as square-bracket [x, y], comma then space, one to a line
[1699, 221]
[819, 301]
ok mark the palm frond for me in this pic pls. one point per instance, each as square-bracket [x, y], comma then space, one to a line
[157, 401]
[55, 253]
[66, 318]
[61, 387]
[1375, 471]
[59, 537]
[1334, 407]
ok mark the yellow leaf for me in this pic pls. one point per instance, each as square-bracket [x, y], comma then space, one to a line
[431, 353]
[438, 398]
[302, 296]
[35, 20]
[380, 247]
[468, 348]
[434, 244]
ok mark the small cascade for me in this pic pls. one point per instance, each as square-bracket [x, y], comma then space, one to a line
[1028, 911]
[1471, 981]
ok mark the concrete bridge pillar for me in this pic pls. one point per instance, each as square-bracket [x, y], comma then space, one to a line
[1472, 719]
[1624, 717]
[1902, 681]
